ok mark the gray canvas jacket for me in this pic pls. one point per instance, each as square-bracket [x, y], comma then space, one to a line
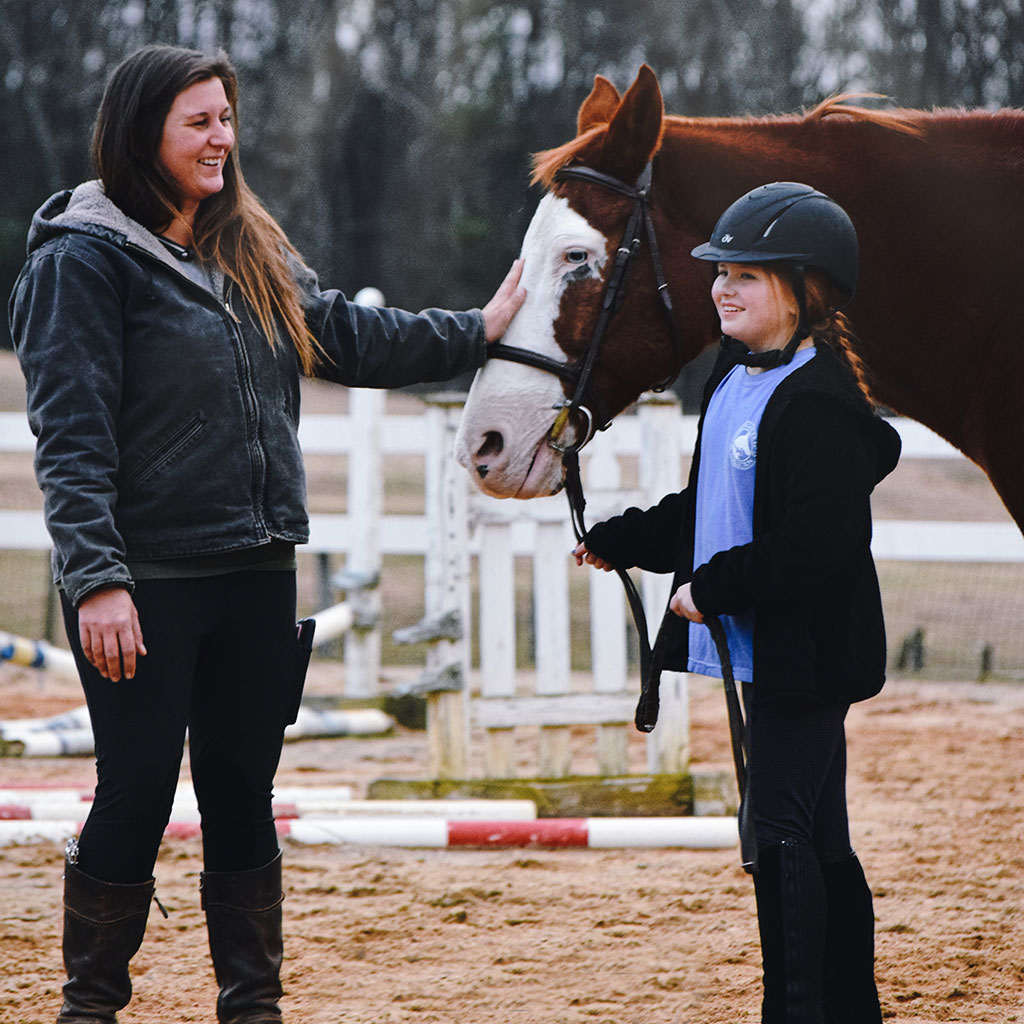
[166, 424]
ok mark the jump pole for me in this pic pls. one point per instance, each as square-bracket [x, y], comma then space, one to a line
[696, 833]
[68, 805]
[38, 654]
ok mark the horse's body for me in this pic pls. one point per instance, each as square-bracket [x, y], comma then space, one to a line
[938, 202]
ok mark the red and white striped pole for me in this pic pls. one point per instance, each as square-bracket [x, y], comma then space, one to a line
[422, 832]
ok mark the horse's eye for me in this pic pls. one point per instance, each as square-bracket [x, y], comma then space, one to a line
[576, 256]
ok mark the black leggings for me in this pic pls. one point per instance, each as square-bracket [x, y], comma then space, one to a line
[221, 664]
[797, 775]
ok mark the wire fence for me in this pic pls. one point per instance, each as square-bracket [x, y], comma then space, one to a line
[954, 620]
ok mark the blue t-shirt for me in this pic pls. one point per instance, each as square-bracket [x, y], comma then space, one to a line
[725, 499]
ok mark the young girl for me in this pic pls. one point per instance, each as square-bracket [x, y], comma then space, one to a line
[163, 322]
[772, 534]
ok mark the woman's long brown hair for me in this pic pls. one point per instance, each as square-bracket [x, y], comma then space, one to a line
[232, 228]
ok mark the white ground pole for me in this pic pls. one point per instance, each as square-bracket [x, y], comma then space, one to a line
[290, 803]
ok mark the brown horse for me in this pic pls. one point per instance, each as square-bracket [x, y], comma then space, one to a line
[938, 202]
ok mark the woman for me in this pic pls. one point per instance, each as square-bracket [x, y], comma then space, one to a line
[773, 536]
[163, 321]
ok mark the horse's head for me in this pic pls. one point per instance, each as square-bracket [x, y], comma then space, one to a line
[514, 425]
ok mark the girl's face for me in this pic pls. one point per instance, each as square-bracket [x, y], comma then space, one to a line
[197, 137]
[755, 306]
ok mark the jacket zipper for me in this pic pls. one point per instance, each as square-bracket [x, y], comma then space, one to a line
[253, 414]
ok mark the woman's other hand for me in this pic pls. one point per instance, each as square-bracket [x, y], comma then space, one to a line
[503, 306]
[683, 606]
[109, 630]
[581, 554]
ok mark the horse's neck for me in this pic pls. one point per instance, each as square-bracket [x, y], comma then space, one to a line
[711, 162]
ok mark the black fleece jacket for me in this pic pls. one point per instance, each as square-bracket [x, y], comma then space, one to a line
[808, 572]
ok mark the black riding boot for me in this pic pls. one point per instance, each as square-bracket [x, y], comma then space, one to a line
[243, 919]
[848, 978]
[103, 927]
[791, 918]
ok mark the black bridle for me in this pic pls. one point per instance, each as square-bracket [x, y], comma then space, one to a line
[586, 401]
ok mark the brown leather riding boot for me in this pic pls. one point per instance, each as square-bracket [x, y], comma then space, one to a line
[103, 927]
[243, 919]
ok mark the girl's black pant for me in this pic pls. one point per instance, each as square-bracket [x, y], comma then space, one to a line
[797, 775]
[221, 664]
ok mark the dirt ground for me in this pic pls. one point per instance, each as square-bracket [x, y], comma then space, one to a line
[573, 936]
[382, 936]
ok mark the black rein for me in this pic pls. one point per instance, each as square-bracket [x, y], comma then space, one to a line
[587, 401]
[577, 375]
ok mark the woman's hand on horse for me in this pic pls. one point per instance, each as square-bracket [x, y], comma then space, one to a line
[581, 554]
[505, 303]
[108, 627]
[683, 606]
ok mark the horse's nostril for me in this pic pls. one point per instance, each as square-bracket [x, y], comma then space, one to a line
[493, 444]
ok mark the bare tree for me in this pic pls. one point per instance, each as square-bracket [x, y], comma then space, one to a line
[392, 137]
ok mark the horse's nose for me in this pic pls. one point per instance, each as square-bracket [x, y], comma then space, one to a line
[493, 445]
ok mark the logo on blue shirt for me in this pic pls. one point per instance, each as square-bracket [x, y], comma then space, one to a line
[743, 447]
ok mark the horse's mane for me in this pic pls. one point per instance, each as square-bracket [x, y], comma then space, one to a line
[840, 106]
[548, 161]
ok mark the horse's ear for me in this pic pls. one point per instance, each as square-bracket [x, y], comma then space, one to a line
[634, 133]
[599, 106]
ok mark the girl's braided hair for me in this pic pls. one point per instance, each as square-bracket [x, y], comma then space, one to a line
[833, 328]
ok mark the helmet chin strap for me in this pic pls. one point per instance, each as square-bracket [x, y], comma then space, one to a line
[780, 356]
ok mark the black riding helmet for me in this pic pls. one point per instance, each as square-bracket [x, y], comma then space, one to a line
[793, 225]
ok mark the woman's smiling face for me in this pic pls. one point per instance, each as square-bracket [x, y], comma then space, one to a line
[755, 306]
[197, 137]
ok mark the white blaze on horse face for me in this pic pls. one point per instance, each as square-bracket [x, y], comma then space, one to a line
[502, 438]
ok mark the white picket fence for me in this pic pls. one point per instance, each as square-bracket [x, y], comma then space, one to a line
[461, 526]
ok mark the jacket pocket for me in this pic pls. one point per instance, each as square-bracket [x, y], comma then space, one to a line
[170, 448]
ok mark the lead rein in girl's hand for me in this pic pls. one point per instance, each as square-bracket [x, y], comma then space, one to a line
[683, 606]
[581, 554]
[682, 600]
